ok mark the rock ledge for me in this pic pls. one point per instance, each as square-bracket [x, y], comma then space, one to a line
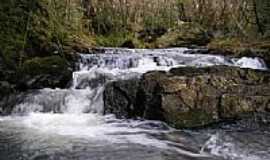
[191, 97]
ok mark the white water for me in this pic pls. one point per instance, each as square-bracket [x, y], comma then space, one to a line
[242, 147]
[77, 112]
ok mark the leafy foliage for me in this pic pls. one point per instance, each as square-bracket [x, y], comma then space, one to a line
[31, 28]
[38, 28]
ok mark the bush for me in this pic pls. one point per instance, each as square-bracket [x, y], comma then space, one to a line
[117, 40]
[185, 35]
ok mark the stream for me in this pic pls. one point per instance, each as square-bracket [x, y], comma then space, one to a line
[68, 124]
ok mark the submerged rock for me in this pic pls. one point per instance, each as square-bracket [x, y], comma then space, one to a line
[191, 97]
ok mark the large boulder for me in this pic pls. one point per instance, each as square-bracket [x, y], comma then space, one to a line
[47, 72]
[191, 97]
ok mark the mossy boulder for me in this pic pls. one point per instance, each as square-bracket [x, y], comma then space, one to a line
[47, 72]
[191, 97]
[50, 65]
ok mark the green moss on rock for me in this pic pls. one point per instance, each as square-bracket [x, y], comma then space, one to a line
[47, 65]
[47, 72]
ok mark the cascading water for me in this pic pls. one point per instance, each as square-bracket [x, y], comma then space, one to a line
[69, 124]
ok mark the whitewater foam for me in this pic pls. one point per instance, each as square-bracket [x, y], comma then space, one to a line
[253, 63]
[218, 145]
[78, 111]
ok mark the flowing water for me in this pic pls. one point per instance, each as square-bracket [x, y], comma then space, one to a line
[68, 124]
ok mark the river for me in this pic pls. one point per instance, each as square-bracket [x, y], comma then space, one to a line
[68, 124]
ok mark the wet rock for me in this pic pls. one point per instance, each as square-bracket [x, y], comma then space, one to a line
[123, 99]
[5, 90]
[7, 103]
[191, 97]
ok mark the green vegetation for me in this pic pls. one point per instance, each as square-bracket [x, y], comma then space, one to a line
[40, 28]
[37, 28]
[163, 23]
[185, 35]
[113, 39]
[47, 65]
[118, 40]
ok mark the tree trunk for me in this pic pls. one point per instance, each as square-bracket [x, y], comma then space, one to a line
[257, 19]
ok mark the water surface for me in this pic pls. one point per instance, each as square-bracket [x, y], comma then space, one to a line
[68, 124]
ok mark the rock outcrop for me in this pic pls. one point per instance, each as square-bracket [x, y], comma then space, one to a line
[191, 97]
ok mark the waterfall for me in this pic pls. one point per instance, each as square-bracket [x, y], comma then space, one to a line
[95, 70]
[78, 111]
